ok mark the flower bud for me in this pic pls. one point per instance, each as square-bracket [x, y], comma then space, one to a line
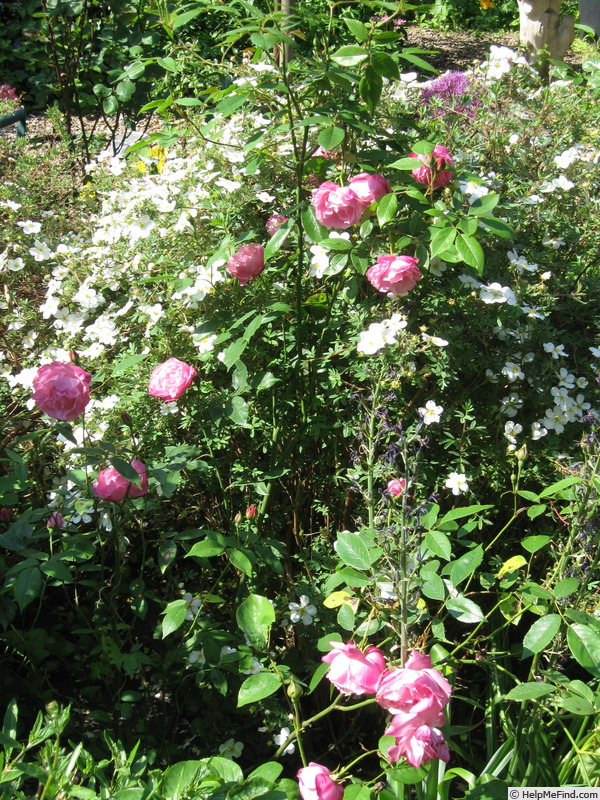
[521, 454]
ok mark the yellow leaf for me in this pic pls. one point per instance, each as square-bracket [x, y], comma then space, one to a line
[337, 599]
[511, 565]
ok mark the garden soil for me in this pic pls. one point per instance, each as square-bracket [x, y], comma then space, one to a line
[459, 50]
[444, 50]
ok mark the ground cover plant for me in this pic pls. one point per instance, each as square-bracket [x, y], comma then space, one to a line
[299, 480]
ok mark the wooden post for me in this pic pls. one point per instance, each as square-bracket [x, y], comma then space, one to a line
[285, 54]
[543, 29]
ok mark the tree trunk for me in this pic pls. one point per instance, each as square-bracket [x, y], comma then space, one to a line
[543, 29]
[589, 14]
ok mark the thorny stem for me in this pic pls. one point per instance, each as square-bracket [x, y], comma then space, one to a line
[299, 728]
[566, 552]
[371, 448]
[404, 566]
[349, 766]
[52, 767]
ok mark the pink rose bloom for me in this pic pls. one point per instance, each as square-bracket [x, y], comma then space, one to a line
[170, 379]
[394, 275]
[111, 485]
[56, 520]
[418, 660]
[320, 152]
[61, 390]
[352, 671]
[395, 487]
[369, 188]
[337, 206]
[248, 262]
[416, 689]
[7, 92]
[418, 742]
[315, 783]
[274, 223]
[434, 173]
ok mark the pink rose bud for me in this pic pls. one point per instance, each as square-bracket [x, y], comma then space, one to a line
[56, 520]
[337, 206]
[394, 275]
[4, 515]
[353, 671]
[434, 173]
[395, 487]
[251, 512]
[248, 262]
[416, 741]
[315, 783]
[171, 379]
[274, 223]
[111, 485]
[62, 391]
[369, 188]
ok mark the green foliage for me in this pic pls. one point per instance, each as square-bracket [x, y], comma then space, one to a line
[47, 766]
[482, 15]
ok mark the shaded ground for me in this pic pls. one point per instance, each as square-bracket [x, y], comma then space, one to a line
[448, 50]
[459, 49]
